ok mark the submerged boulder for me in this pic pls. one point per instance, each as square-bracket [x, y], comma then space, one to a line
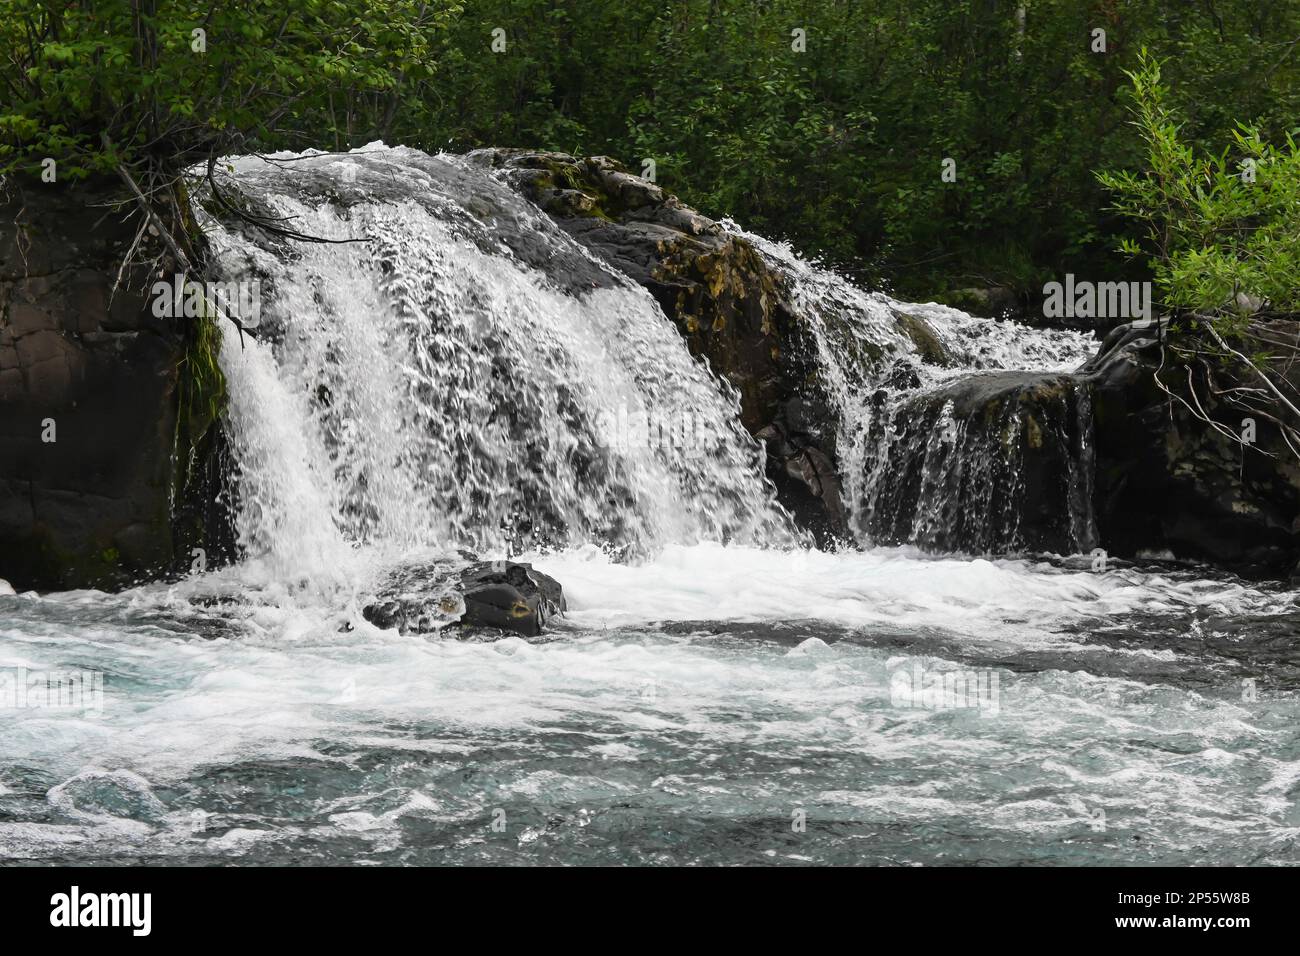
[929, 347]
[505, 595]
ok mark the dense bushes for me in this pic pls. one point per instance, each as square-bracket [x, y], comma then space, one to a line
[1221, 229]
[833, 137]
[173, 81]
[839, 147]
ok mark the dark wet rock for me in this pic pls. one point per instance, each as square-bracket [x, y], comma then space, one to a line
[105, 795]
[807, 481]
[988, 463]
[98, 506]
[730, 307]
[928, 345]
[1167, 480]
[505, 595]
[993, 302]
[513, 597]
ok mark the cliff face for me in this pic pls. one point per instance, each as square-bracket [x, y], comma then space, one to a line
[89, 389]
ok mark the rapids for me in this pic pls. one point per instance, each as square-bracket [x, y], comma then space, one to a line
[719, 692]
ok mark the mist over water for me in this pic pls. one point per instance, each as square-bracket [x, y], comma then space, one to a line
[455, 383]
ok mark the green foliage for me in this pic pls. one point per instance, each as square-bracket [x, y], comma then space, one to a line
[1220, 228]
[204, 384]
[178, 79]
[837, 148]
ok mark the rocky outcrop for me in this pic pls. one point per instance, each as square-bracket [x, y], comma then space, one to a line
[504, 595]
[92, 427]
[1118, 455]
[1168, 480]
[730, 307]
[991, 462]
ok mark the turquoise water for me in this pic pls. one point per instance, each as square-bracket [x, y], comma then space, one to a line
[448, 383]
[1107, 719]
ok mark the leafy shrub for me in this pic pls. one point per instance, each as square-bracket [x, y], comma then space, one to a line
[1221, 230]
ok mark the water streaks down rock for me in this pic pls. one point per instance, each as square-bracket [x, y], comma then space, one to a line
[726, 300]
[994, 462]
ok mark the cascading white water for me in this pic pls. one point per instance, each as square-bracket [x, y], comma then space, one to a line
[469, 377]
[450, 383]
[911, 471]
[429, 387]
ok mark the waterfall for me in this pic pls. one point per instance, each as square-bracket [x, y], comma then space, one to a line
[465, 377]
[450, 370]
[937, 412]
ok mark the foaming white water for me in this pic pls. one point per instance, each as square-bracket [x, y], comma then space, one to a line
[271, 676]
[286, 519]
[911, 472]
[429, 387]
[898, 587]
[848, 316]
[985, 344]
[389, 733]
